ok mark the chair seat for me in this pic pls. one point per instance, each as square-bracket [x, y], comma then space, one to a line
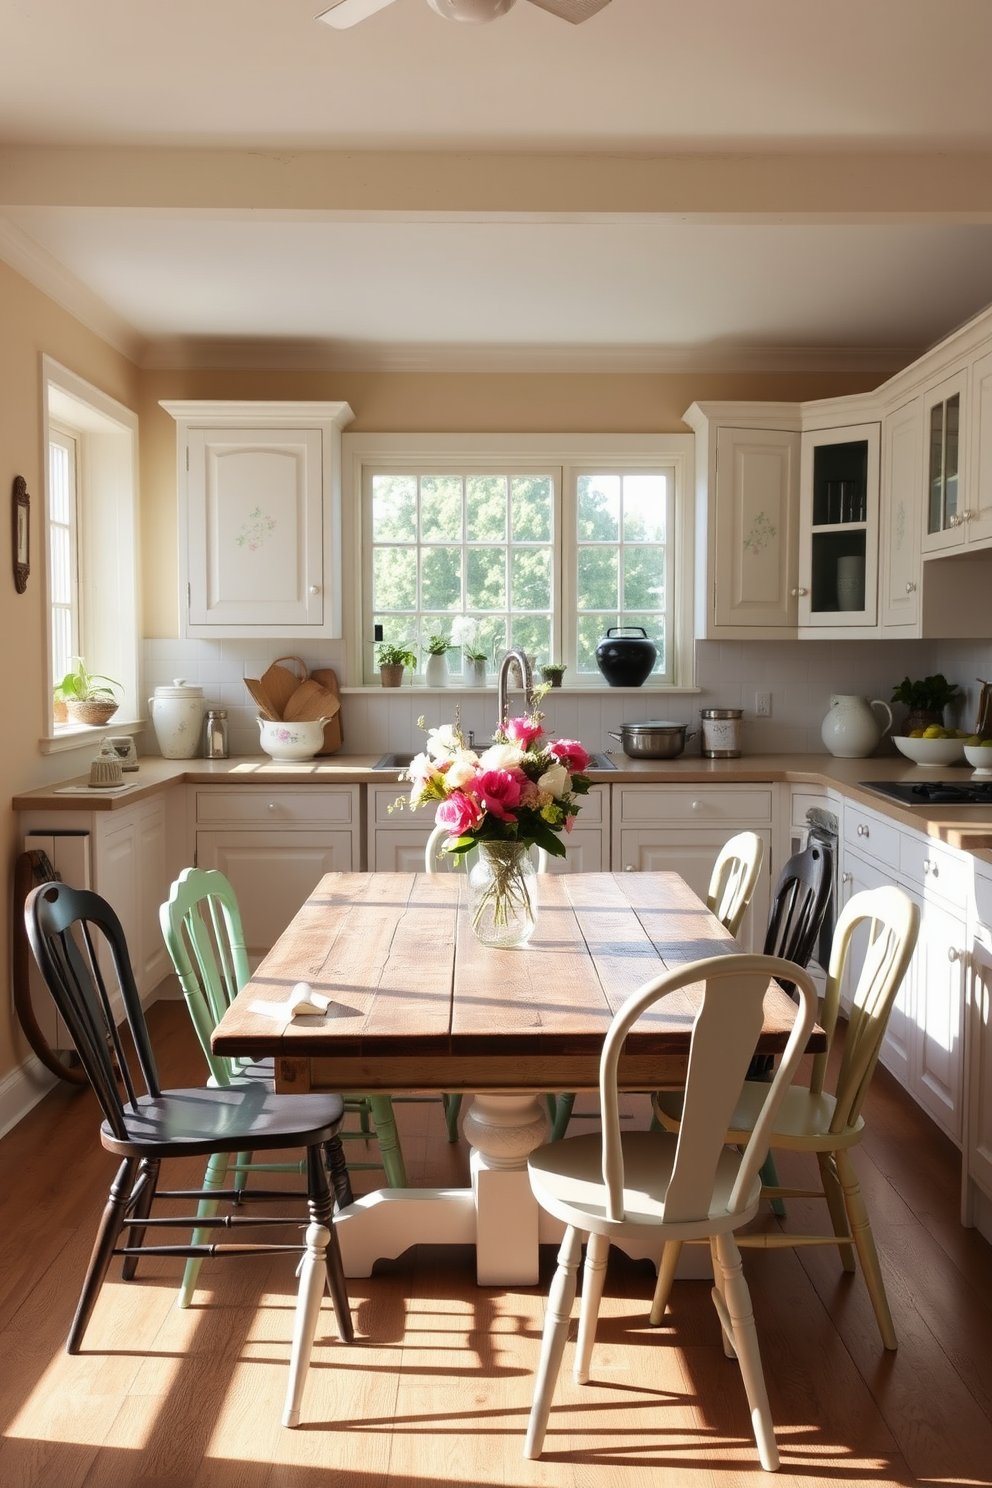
[198, 1122]
[567, 1180]
[803, 1119]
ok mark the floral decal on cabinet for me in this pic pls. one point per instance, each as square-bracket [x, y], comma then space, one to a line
[255, 531]
[762, 532]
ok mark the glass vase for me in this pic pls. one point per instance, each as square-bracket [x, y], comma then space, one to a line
[503, 894]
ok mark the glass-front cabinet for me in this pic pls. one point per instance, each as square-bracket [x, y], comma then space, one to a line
[945, 509]
[838, 539]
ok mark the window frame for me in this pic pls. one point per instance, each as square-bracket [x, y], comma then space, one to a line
[573, 455]
[108, 557]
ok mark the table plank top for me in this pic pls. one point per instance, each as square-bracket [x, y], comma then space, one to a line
[407, 978]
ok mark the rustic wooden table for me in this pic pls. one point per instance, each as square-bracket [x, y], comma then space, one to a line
[417, 1003]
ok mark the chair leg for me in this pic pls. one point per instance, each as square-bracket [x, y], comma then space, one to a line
[857, 1214]
[563, 1114]
[666, 1275]
[593, 1279]
[111, 1224]
[214, 1177]
[148, 1171]
[241, 1168]
[834, 1195]
[337, 1168]
[733, 1302]
[389, 1140]
[556, 1321]
[452, 1108]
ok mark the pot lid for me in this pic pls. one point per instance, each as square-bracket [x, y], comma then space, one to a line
[180, 689]
[654, 724]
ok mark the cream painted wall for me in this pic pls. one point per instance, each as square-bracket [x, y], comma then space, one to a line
[33, 325]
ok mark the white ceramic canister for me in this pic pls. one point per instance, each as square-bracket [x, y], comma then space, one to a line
[177, 713]
[850, 730]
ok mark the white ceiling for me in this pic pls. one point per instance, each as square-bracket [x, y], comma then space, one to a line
[194, 278]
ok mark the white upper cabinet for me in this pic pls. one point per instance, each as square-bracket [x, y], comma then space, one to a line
[902, 490]
[838, 532]
[978, 506]
[747, 510]
[945, 477]
[259, 518]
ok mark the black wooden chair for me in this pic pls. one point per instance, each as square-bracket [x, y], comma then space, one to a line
[80, 948]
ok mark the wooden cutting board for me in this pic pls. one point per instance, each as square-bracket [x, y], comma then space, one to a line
[311, 700]
[333, 736]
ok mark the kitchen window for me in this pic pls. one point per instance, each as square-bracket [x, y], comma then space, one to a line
[90, 536]
[540, 543]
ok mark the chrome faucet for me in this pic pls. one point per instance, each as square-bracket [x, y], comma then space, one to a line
[502, 680]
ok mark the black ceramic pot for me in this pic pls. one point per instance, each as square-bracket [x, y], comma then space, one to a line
[625, 660]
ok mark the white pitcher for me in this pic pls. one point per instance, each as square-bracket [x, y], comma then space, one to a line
[850, 730]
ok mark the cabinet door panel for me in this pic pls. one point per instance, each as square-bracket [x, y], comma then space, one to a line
[255, 527]
[902, 485]
[937, 973]
[978, 1133]
[273, 873]
[755, 539]
[978, 498]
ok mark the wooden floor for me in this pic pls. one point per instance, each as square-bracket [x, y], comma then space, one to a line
[437, 1387]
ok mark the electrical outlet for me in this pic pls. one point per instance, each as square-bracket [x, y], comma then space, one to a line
[762, 705]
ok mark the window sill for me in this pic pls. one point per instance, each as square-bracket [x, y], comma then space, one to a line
[582, 689]
[75, 735]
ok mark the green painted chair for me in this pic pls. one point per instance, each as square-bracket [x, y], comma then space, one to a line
[201, 924]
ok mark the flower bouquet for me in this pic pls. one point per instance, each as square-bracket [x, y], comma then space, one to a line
[519, 793]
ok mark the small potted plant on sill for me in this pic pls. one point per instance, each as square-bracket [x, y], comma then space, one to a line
[465, 634]
[88, 697]
[436, 670]
[391, 660]
[553, 673]
[926, 701]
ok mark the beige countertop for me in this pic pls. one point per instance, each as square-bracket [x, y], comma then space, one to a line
[966, 827]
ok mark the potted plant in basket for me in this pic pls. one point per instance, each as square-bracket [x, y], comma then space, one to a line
[391, 660]
[89, 697]
[926, 700]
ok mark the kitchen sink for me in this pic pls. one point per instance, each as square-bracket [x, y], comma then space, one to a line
[401, 761]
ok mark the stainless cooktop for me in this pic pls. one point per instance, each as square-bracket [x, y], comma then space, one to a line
[933, 792]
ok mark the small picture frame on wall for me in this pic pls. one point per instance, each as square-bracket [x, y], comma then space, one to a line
[21, 513]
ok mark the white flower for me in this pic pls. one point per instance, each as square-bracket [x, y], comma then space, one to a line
[555, 779]
[463, 768]
[501, 757]
[443, 742]
[464, 630]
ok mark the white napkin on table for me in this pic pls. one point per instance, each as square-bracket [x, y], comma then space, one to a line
[303, 1002]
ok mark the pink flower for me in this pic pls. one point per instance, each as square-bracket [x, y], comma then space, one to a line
[499, 791]
[459, 813]
[570, 753]
[569, 823]
[523, 731]
[530, 795]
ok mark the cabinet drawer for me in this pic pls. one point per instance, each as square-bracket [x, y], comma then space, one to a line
[311, 806]
[873, 835]
[684, 804]
[936, 869]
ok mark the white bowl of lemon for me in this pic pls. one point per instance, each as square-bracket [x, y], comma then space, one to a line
[979, 755]
[935, 746]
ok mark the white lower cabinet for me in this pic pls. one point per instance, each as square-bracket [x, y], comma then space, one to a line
[923, 1045]
[275, 844]
[681, 828]
[976, 1169]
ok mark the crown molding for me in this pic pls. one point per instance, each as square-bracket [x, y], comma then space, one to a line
[340, 356]
[46, 273]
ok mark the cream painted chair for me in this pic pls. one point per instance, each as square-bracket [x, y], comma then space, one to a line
[686, 1187]
[734, 876]
[814, 1120]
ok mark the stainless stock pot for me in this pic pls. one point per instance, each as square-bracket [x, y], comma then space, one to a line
[652, 739]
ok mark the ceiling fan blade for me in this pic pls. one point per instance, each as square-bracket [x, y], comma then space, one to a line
[345, 13]
[571, 10]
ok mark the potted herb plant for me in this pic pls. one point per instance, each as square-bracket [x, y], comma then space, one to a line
[436, 670]
[926, 700]
[89, 697]
[391, 660]
[553, 673]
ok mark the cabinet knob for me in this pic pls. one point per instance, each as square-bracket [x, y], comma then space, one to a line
[956, 520]
[799, 593]
[697, 805]
[629, 868]
[929, 866]
[954, 955]
[314, 588]
[847, 878]
[910, 587]
[273, 806]
[863, 830]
